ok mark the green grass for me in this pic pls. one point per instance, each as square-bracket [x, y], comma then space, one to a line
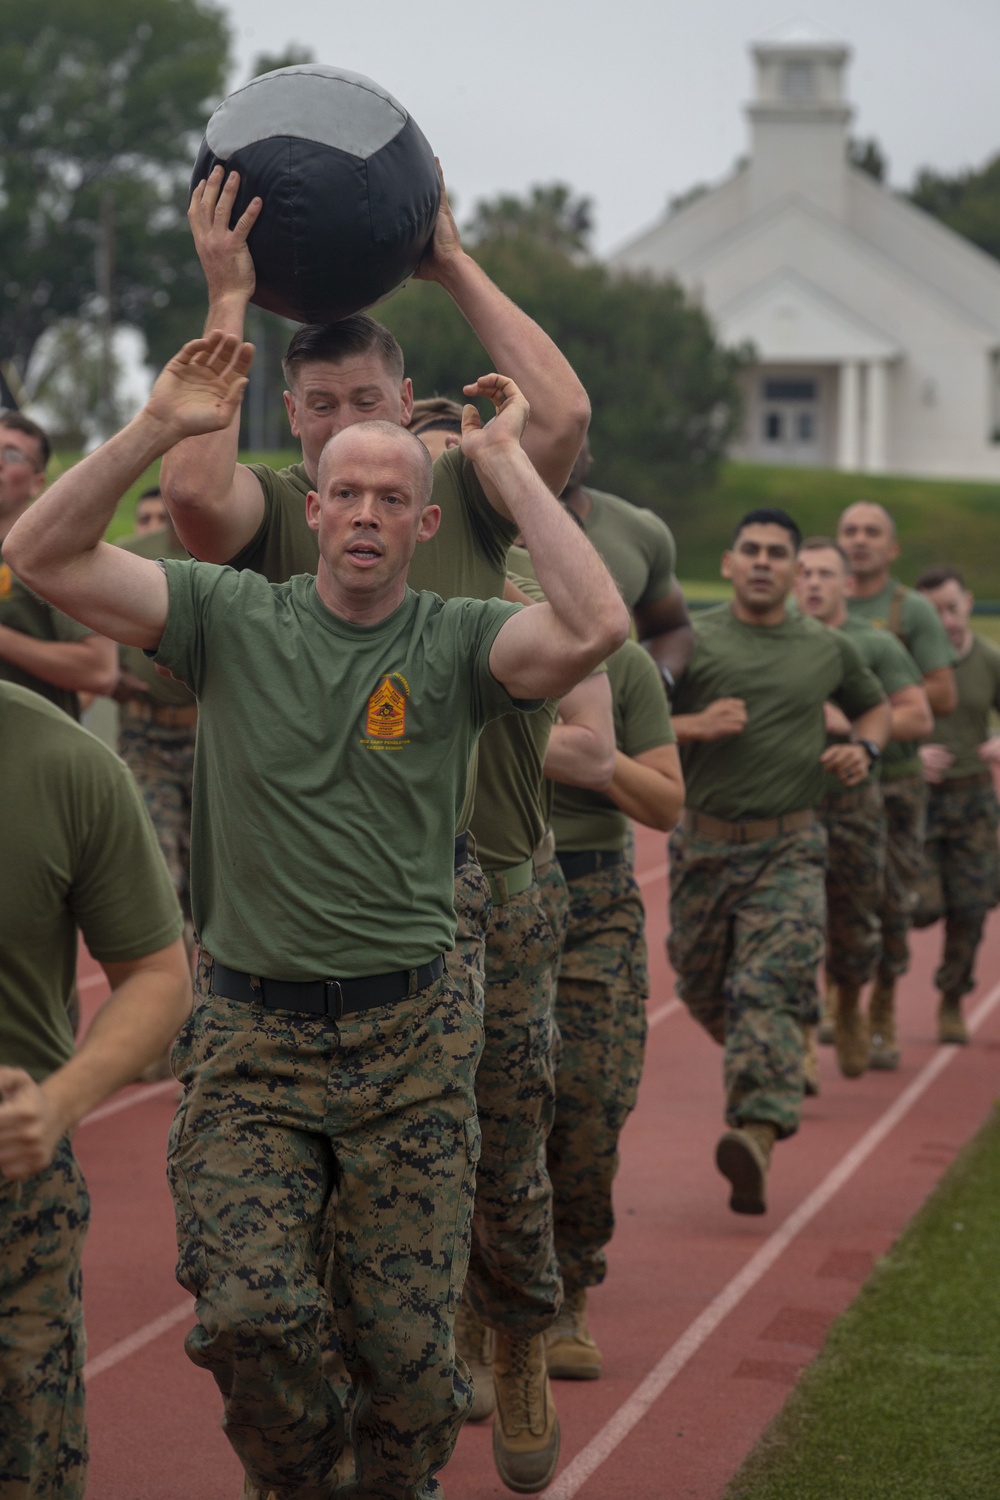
[938, 521]
[904, 1401]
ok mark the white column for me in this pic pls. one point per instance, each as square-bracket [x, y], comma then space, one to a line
[876, 432]
[849, 416]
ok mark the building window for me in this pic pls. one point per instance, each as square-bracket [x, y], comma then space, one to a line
[805, 426]
[789, 390]
[772, 426]
[797, 81]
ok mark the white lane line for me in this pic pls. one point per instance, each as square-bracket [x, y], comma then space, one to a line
[601, 1447]
[91, 981]
[663, 1011]
[125, 1101]
[125, 1348]
[650, 877]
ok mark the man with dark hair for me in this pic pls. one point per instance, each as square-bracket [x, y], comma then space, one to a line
[352, 372]
[960, 879]
[41, 648]
[854, 817]
[437, 422]
[867, 533]
[639, 550]
[747, 864]
[332, 1055]
[151, 512]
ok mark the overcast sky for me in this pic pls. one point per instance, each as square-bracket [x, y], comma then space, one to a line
[633, 101]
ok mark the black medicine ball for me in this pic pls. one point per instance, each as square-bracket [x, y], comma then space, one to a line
[348, 181]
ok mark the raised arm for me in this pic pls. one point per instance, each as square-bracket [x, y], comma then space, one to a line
[560, 409]
[216, 502]
[665, 631]
[57, 547]
[581, 748]
[543, 651]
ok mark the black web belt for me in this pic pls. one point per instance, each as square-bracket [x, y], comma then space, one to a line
[325, 997]
[588, 861]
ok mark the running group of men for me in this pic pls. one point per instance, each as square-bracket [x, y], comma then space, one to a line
[421, 970]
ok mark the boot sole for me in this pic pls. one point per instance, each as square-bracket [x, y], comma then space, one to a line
[525, 1485]
[570, 1371]
[746, 1172]
[884, 1062]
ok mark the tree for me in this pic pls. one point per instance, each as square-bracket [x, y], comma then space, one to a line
[291, 56]
[101, 106]
[665, 394]
[969, 202]
[869, 157]
[551, 216]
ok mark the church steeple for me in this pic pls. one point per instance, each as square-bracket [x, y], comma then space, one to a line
[799, 117]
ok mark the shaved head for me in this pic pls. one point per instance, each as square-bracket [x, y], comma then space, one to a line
[867, 533]
[378, 437]
[865, 511]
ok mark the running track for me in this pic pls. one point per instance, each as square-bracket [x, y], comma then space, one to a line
[706, 1318]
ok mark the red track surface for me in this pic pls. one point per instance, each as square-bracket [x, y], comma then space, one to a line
[706, 1318]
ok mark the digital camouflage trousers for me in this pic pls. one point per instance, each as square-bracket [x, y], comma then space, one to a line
[905, 815]
[280, 1112]
[513, 1273]
[601, 1015]
[747, 926]
[960, 875]
[162, 762]
[855, 882]
[43, 1430]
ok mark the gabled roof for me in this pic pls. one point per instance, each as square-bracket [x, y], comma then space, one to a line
[799, 33]
[790, 320]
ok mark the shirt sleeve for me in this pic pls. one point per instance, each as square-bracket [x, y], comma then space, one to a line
[484, 619]
[121, 893]
[662, 561]
[858, 689]
[197, 592]
[927, 638]
[644, 708]
[896, 668]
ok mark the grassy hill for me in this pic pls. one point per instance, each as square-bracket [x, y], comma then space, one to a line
[938, 521]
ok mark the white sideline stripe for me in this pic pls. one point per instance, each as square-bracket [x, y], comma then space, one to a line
[601, 1446]
[650, 877]
[115, 1106]
[138, 1340]
[663, 1012]
[91, 981]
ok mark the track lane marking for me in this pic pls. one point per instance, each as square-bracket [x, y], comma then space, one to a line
[126, 1101]
[631, 1412]
[125, 1348]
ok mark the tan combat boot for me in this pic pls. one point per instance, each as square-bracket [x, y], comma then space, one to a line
[570, 1351]
[251, 1492]
[882, 1026]
[850, 1031]
[474, 1342]
[951, 1026]
[743, 1156]
[825, 1033]
[526, 1427]
[810, 1063]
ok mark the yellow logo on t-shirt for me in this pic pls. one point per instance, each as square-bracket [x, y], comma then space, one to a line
[6, 580]
[386, 716]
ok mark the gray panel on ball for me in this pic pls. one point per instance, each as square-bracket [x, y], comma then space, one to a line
[310, 102]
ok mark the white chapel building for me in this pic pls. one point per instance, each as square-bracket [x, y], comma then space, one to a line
[876, 329]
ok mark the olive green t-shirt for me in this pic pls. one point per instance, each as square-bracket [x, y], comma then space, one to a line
[637, 547]
[510, 813]
[784, 674]
[465, 559]
[330, 766]
[977, 679]
[161, 691]
[886, 656]
[924, 637]
[22, 610]
[583, 819]
[79, 853]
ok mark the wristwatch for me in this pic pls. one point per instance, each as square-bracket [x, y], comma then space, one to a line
[874, 753]
[669, 681]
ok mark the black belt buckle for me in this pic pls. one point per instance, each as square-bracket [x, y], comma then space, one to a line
[333, 996]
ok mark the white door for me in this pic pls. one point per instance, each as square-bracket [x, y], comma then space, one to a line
[789, 418]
